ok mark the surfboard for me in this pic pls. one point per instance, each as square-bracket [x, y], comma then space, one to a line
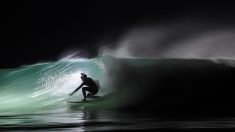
[89, 100]
[70, 101]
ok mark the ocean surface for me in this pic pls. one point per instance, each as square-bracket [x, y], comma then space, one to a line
[108, 121]
[136, 94]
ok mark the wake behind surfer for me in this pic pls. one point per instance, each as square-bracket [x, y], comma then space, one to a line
[90, 86]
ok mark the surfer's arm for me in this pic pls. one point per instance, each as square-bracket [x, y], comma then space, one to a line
[77, 89]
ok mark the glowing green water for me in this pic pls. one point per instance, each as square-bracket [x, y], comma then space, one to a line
[46, 86]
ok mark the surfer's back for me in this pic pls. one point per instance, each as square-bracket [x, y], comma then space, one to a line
[90, 82]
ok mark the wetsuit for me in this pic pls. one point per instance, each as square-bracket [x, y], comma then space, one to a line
[90, 86]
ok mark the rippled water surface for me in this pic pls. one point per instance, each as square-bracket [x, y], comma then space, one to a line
[105, 121]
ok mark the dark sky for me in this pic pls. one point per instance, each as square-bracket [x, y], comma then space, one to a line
[41, 31]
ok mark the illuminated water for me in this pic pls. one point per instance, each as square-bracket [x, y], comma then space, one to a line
[34, 97]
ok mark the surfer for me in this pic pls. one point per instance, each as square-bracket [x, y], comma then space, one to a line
[90, 86]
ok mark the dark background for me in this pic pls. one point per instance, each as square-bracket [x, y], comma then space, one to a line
[37, 31]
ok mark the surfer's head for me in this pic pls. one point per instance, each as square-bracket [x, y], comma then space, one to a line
[83, 77]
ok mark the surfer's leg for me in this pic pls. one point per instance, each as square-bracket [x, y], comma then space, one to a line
[89, 94]
[96, 90]
[92, 91]
[84, 93]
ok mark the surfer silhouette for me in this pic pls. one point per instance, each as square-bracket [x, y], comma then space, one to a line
[90, 86]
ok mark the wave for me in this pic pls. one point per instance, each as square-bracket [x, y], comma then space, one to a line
[126, 84]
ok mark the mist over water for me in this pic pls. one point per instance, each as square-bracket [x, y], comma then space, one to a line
[183, 38]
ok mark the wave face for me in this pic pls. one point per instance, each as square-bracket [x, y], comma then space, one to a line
[44, 86]
[126, 84]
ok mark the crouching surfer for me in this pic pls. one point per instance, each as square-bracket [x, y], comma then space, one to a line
[89, 85]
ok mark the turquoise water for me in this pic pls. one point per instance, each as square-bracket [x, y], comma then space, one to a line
[45, 87]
